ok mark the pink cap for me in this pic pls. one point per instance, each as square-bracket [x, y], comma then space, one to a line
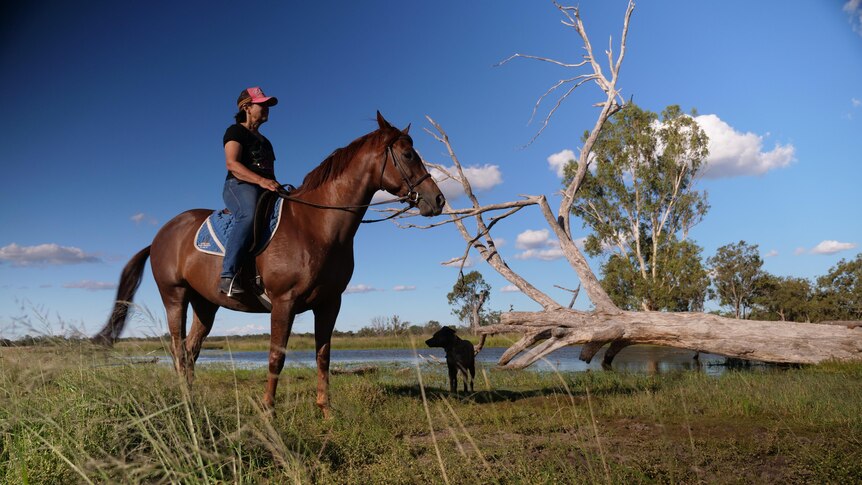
[255, 95]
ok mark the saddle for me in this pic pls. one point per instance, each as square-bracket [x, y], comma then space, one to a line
[217, 228]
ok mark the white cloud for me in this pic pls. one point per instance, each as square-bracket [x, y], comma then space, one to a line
[771, 254]
[531, 239]
[456, 262]
[558, 161]
[509, 289]
[855, 102]
[543, 254]
[251, 328]
[832, 247]
[538, 245]
[481, 178]
[403, 288]
[359, 288]
[91, 285]
[49, 254]
[854, 9]
[798, 251]
[733, 154]
[141, 217]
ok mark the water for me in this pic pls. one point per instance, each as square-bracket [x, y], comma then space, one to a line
[646, 359]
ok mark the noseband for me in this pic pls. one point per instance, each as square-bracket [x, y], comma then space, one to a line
[412, 196]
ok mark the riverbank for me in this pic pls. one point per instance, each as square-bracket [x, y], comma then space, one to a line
[305, 341]
[65, 416]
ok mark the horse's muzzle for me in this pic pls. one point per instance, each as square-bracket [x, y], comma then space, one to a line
[429, 207]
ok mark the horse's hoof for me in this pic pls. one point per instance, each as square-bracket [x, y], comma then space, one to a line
[327, 412]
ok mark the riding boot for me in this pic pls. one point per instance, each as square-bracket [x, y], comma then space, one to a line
[230, 286]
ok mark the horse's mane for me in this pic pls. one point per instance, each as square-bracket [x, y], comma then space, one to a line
[334, 165]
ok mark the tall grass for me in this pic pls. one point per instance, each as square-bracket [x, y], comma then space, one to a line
[69, 415]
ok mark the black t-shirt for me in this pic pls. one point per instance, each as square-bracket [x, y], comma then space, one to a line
[257, 154]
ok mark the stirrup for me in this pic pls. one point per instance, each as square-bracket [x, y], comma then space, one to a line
[230, 286]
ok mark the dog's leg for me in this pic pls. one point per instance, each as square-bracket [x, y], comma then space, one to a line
[453, 378]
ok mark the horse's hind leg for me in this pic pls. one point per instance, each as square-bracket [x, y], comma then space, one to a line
[176, 306]
[204, 314]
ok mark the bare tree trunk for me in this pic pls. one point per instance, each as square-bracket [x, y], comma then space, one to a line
[474, 318]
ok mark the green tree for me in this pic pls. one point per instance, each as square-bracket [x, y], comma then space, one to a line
[784, 299]
[839, 292]
[680, 284]
[737, 276]
[468, 298]
[641, 203]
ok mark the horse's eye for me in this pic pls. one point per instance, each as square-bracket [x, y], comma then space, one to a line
[408, 154]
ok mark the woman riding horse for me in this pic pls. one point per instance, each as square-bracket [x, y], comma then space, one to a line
[250, 170]
[307, 265]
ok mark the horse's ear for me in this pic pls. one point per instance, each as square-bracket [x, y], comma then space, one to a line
[406, 130]
[382, 122]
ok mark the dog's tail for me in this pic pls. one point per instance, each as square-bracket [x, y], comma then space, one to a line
[478, 347]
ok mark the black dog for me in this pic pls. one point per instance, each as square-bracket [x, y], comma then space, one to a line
[459, 356]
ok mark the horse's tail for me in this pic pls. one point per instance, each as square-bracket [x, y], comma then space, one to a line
[130, 279]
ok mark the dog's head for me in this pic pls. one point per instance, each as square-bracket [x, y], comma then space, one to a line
[444, 337]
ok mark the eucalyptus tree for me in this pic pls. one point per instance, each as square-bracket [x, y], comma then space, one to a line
[737, 276]
[839, 292]
[640, 203]
[468, 298]
[785, 298]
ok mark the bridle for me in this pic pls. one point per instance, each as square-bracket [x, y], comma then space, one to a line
[412, 197]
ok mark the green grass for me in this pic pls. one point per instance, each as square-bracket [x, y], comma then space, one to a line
[68, 416]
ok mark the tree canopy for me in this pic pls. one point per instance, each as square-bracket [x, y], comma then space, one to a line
[468, 298]
[785, 298]
[737, 276]
[641, 202]
[839, 292]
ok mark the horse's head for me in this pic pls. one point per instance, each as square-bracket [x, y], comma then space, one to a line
[404, 174]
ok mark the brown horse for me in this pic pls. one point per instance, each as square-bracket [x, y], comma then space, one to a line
[306, 266]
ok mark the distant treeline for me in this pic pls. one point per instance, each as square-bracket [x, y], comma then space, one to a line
[379, 327]
[44, 340]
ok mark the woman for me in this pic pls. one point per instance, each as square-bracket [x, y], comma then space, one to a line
[249, 157]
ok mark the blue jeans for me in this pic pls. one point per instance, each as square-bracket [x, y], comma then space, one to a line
[240, 198]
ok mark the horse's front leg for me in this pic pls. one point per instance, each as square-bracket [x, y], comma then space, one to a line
[282, 322]
[324, 321]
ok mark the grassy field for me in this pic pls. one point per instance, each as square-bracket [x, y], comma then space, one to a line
[68, 415]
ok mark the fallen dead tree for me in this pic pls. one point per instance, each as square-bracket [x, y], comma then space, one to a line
[768, 341]
[555, 326]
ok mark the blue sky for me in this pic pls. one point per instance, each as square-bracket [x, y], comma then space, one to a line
[114, 113]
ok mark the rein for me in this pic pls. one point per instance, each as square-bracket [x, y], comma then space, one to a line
[284, 194]
[412, 197]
